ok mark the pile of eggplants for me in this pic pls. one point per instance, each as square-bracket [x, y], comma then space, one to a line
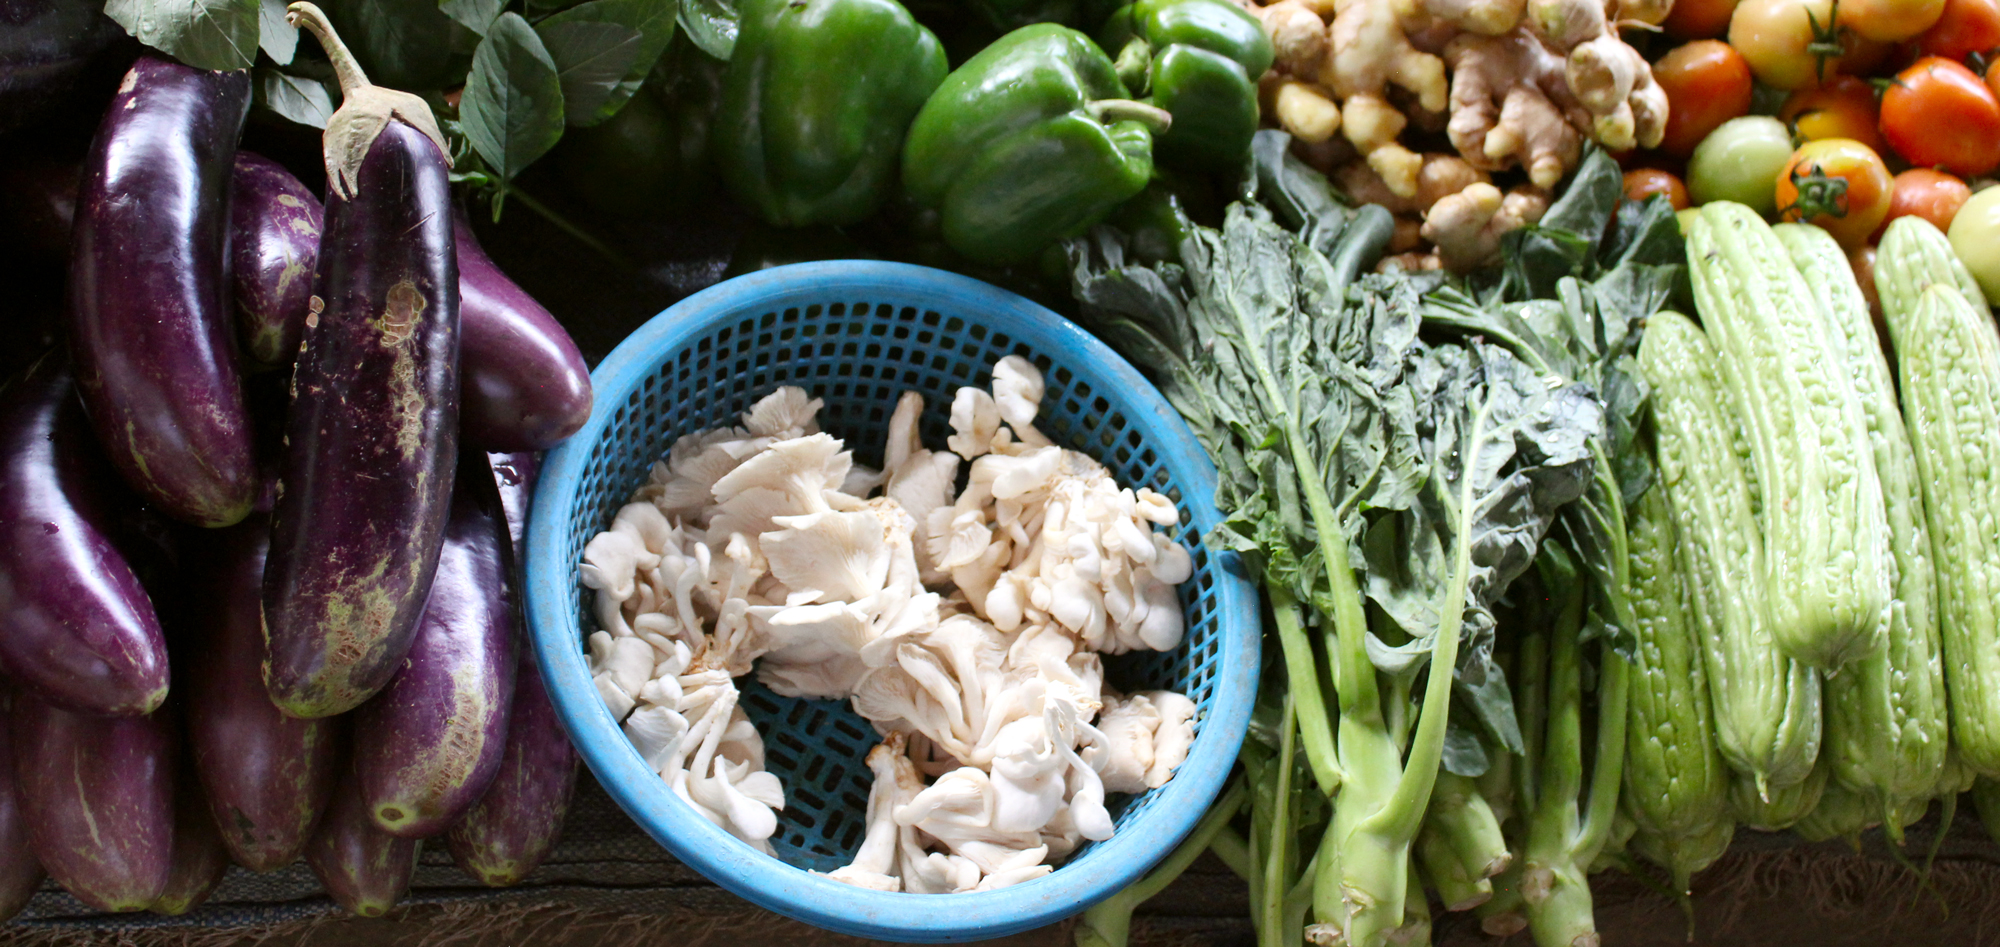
[321, 656]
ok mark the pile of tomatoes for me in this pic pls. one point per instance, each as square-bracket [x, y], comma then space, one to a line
[1843, 113]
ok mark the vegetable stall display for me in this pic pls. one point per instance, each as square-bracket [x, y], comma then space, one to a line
[1591, 533]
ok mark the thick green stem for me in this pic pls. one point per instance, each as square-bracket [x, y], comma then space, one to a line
[1302, 677]
[1233, 852]
[1109, 923]
[1113, 111]
[1271, 906]
[1556, 894]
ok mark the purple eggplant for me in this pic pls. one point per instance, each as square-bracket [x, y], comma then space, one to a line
[199, 857]
[150, 320]
[274, 225]
[20, 872]
[267, 776]
[526, 386]
[98, 795]
[436, 734]
[363, 868]
[76, 626]
[372, 435]
[502, 839]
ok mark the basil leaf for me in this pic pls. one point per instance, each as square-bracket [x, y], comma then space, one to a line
[278, 39]
[474, 15]
[296, 98]
[591, 59]
[401, 44]
[711, 24]
[513, 105]
[205, 34]
[653, 20]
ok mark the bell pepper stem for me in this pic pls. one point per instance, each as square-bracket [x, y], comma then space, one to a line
[1112, 111]
[1135, 66]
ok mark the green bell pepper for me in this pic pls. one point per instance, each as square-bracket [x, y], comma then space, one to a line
[1200, 60]
[1030, 141]
[815, 104]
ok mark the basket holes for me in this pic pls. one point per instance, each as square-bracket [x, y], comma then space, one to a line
[815, 310]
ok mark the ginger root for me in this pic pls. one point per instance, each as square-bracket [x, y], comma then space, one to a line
[1609, 78]
[1466, 227]
[1441, 176]
[1511, 102]
[1485, 17]
[1301, 108]
[1297, 30]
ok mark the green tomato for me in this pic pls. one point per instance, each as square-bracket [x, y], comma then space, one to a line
[1975, 235]
[1740, 161]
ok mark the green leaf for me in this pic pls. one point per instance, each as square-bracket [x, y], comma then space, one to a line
[297, 98]
[278, 39]
[711, 24]
[401, 44]
[474, 15]
[513, 107]
[592, 59]
[653, 20]
[205, 34]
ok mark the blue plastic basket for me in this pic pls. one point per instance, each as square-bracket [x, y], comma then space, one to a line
[858, 334]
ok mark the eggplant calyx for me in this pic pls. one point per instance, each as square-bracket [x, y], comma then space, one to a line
[365, 108]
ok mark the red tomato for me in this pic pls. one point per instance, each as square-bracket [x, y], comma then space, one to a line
[1707, 83]
[1889, 21]
[1933, 195]
[1837, 184]
[1699, 19]
[1966, 27]
[1646, 182]
[1843, 108]
[1938, 114]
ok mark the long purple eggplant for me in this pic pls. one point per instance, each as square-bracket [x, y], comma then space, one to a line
[267, 776]
[526, 385]
[98, 794]
[436, 734]
[20, 872]
[372, 435]
[76, 626]
[150, 320]
[199, 857]
[502, 839]
[274, 225]
[363, 868]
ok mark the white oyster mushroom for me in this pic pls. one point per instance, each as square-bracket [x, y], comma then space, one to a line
[625, 663]
[1027, 776]
[785, 413]
[828, 557]
[903, 441]
[656, 732]
[874, 865]
[645, 522]
[1173, 736]
[1127, 753]
[1017, 390]
[790, 477]
[682, 485]
[958, 537]
[1164, 624]
[975, 419]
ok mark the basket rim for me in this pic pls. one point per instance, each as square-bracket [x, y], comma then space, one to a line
[772, 883]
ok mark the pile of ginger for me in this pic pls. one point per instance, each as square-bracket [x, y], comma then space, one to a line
[1512, 83]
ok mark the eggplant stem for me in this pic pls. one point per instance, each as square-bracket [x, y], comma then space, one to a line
[310, 17]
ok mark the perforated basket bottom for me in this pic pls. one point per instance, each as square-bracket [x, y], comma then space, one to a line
[859, 357]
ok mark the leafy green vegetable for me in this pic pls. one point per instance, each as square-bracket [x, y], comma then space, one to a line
[299, 99]
[512, 109]
[276, 37]
[595, 50]
[401, 44]
[474, 15]
[206, 34]
[711, 24]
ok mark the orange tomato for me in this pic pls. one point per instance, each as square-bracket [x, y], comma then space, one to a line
[1965, 27]
[1838, 184]
[1889, 21]
[1922, 192]
[1642, 183]
[1698, 19]
[1843, 108]
[1938, 114]
[1790, 44]
[1707, 83]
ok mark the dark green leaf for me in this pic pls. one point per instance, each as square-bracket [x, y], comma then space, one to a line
[297, 98]
[711, 24]
[474, 15]
[401, 44]
[1464, 751]
[1302, 198]
[205, 34]
[591, 60]
[512, 109]
[278, 39]
[653, 20]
